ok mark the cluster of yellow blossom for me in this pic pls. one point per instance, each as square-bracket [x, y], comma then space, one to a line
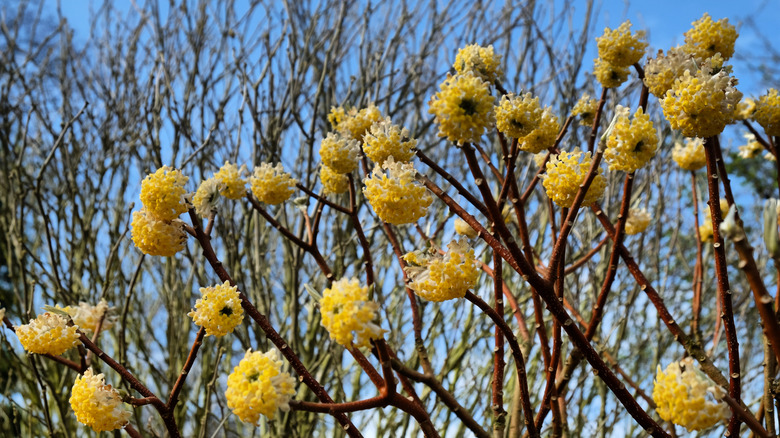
[637, 221]
[218, 310]
[257, 386]
[385, 140]
[481, 61]
[661, 71]
[348, 314]
[687, 397]
[746, 108]
[354, 123]
[156, 229]
[705, 229]
[463, 108]
[155, 237]
[396, 197]
[87, 317]
[332, 182]
[543, 137]
[49, 333]
[518, 116]
[340, 152]
[708, 37]
[691, 155]
[464, 229]
[752, 148]
[271, 184]
[566, 172]
[586, 108]
[701, 104]
[96, 404]
[768, 112]
[631, 143]
[207, 195]
[231, 177]
[620, 47]
[440, 278]
[608, 75]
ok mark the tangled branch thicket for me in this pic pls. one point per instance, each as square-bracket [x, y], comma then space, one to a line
[344, 219]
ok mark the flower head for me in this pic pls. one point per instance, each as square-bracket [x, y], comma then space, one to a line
[543, 137]
[687, 397]
[768, 112]
[708, 37]
[218, 310]
[333, 182]
[258, 386]
[232, 179]
[348, 314]
[481, 61]
[585, 108]
[396, 197]
[632, 143]
[701, 104]
[354, 124]
[637, 221]
[690, 156]
[49, 333]
[661, 71]
[339, 152]
[207, 195]
[162, 193]
[271, 184]
[440, 278]
[746, 108]
[517, 116]
[752, 148]
[96, 404]
[609, 75]
[385, 140]
[464, 229]
[463, 108]
[620, 47]
[87, 317]
[157, 237]
[565, 172]
[705, 229]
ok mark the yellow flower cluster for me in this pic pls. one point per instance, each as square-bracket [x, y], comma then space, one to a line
[340, 152]
[332, 182]
[464, 229]
[687, 397]
[348, 314]
[661, 71]
[708, 37]
[586, 108]
[463, 108]
[87, 316]
[701, 105]
[637, 221]
[385, 140]
[481, 61]
[49, 333]
[353, 123]
[162, 194]
[440, 278]
[96, 404]
[746, 108]
[620, 47]
[690, 156]
[543, 137]
[705, 229]
[566, 172]
[768, 112]
[155, 237]
[752, 148]
[258, 386]
[207, 195]
[632, 143]
[218, 310]
[517, 116]
[608, 75]
[271, 184]
[232, 180]
[396, 197]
